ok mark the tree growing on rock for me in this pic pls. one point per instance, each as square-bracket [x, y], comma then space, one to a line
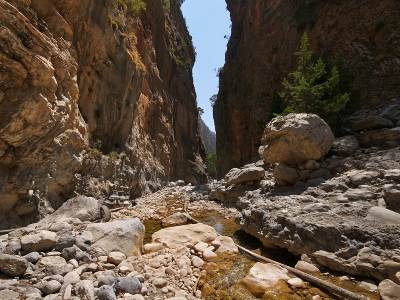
[312, 88]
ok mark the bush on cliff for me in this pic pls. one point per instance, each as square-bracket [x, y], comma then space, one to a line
[211, 164]
[311, 88]
[134, 6]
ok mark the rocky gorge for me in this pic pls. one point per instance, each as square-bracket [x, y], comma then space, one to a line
[88, 89]
[103, 190]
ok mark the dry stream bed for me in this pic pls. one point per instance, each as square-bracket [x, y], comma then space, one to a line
[222, 277]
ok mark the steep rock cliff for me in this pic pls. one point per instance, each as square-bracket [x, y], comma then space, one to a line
[208, 137]
[94, 94]
[362, 36]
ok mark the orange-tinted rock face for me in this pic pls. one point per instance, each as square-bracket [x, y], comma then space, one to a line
[362, 36]
[78, 75]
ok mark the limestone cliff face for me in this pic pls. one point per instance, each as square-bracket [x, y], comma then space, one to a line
[208, 137]
[363, 36]
[93, 89]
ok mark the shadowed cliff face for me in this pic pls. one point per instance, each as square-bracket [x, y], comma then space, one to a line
[361, 36]
[92, 88]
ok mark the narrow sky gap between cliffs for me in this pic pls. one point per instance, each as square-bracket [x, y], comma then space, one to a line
[209, 24]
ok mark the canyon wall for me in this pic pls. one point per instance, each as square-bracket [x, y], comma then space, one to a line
[362, 37]
[208, 137]
[95, 96]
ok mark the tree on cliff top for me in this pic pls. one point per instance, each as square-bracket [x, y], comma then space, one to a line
[311, 88]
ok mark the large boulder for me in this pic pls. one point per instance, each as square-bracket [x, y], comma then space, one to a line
[244, 175]
[295, 138]
[125, 236]
[81, 207]
[186, 235]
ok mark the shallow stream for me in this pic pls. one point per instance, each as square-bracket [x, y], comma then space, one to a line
[223, 276]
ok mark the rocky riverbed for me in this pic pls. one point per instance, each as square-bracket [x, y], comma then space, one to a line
[71, 255]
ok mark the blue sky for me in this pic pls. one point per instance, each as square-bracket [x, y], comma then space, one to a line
[208, 22]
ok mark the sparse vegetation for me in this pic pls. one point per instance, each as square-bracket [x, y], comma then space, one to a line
[211, 164]
[133, 6]
[312, 88]
[167, 4]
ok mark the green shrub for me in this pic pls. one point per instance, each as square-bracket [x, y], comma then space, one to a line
[133, 6]
[167, 4]
[211, 164]
[311, 88]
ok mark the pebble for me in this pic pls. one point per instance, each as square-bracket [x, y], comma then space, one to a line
[368, 286]
[32, 257]
[197, 262]
[201, 247]
[209, 255]
[85, 290]
[306, 267]
[116, 258]
[50, 287]
[106, 292]
[297, 283]
[160, 282]
[129, 285]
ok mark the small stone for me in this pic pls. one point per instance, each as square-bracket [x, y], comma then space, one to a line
[106, 293]
[297, 283]
[125, 267]
[175, 220]
[316, 297]
[50, 287]
[66, 240]
[32, 257]
[42, 241]
[306, 267]
[225, 244]
[85, 290]
[153, 247]
[285, 175]
[67, 292]
[197, 262]
[71, 278]
[209, 255]
[264, 276]
[69, 253]
[155, 263]
[160, 282]
[116, 257]
[102, 259]
[368, 286]
[200, 247]
[13, 265]
[74, 262]
[129, 285]
[55, 265]
[106, 278]
[13, 247]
